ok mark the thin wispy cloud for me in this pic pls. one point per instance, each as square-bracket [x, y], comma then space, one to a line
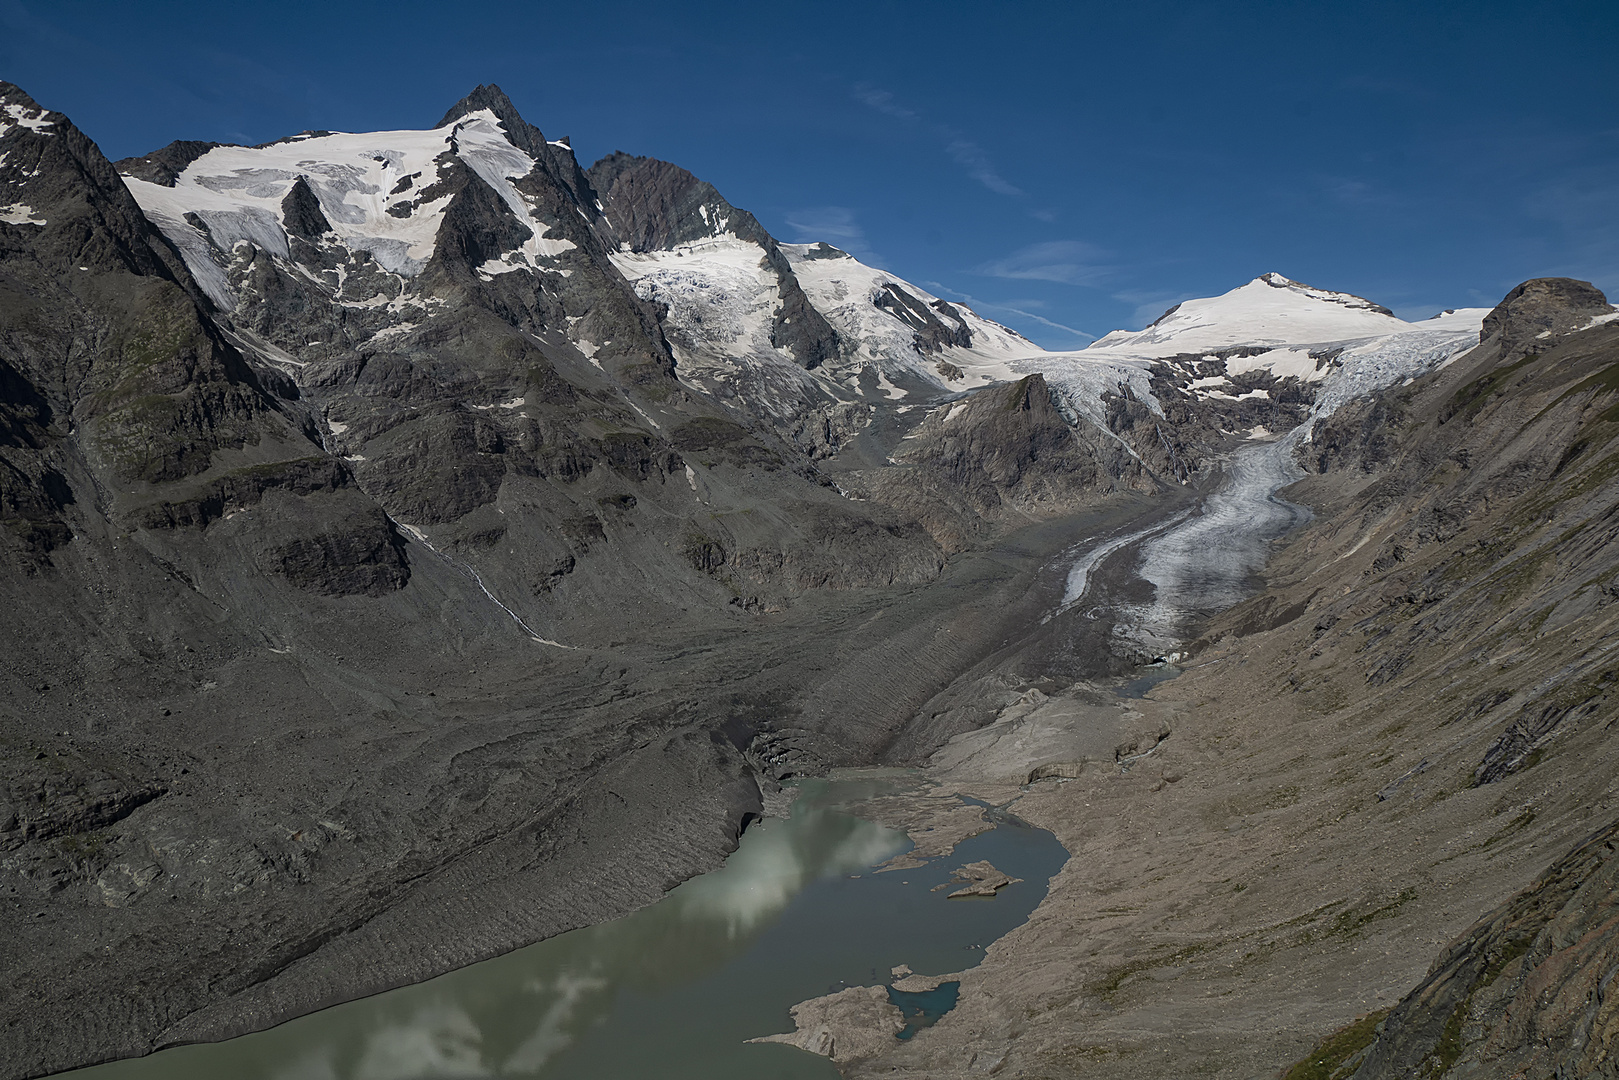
[1010, 307]
[1150, 306]
[883, 102]
[835, 225]
[1043, 321]
[1069, 262]
[970, 156]
[962, 150]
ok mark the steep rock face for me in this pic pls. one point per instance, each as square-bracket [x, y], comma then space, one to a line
[1004, 454]
[164, 166]
[1540, 312]
[555, 159]
[933, 334]
[652, 205]
[116, 376]
[301, 212]
[1526, 992]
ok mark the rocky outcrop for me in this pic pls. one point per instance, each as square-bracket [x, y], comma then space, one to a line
[1005, 452]
[848, 1026]
[555, 159]
[301, 212]
[165, 165]
[1539, 313]
[1528, 991]
[976, 879]
[933, 334]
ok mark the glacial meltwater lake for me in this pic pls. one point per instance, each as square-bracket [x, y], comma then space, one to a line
[673, 991]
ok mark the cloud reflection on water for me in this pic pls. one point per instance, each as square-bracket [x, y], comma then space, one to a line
[776, 861]
[517, 1014]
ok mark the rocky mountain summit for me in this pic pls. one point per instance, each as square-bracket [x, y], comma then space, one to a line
[417, 530]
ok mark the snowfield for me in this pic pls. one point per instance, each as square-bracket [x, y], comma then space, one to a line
[1346, 345]
[723, 296]
[235, 193]
[844, 290]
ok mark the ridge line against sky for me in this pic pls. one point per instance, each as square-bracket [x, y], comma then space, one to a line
[1072, 168]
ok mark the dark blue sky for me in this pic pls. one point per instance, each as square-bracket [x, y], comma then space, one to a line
[1068, 168]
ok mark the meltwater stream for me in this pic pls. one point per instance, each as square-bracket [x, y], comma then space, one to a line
[674, 990]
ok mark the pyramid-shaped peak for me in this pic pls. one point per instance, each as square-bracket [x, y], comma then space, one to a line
[17, 108]
[13, 94]
[489, 97]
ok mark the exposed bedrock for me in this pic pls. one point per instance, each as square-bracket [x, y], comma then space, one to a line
[652, 205]
[1540, 312]
[1385, 745]
[1003, 455]
[1528, 991]
[376, 608]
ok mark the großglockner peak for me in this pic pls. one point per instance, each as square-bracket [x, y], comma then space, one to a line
[415, 546]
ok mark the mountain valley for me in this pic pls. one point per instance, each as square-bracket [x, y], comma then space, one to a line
[419, 544]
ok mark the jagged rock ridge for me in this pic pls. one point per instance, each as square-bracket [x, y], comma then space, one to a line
[433, 451]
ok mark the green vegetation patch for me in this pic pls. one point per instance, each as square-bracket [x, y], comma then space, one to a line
[1475, 395]
[1350, 923]
[1331, 1059]
[1107, 987]
[1449, 1049]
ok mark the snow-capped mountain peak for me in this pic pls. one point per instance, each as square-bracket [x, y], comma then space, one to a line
[380, 193]
[787, 327]
[1269, 310]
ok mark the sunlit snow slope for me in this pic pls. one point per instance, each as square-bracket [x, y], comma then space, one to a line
[378, 191]
[783, 326]
[894, 339]
[1269, 337]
